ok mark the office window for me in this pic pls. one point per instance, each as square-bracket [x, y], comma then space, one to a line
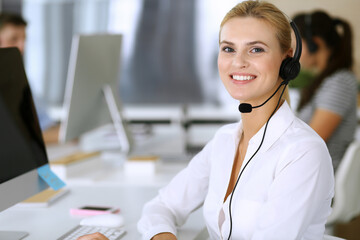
[169, 52]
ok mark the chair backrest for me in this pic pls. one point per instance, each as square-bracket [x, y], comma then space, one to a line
[346, 203]
[328, 237]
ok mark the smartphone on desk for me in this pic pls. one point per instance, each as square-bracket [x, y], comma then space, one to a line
[90, 210]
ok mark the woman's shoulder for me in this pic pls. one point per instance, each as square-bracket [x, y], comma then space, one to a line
[337, 91]
[301, 136]
[303, 143]
[343, 77]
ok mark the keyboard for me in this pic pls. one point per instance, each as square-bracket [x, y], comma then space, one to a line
[110, 233]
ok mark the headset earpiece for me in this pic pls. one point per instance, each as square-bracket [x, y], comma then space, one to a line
[289, 69]
[290, 66]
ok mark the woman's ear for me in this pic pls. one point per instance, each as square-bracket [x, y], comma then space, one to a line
[289, 53]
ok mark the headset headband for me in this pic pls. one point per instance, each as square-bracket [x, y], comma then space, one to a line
[298, 49]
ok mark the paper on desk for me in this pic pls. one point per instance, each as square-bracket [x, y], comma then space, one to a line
[50, 177]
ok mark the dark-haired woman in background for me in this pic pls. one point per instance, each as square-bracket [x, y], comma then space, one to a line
[328, 103]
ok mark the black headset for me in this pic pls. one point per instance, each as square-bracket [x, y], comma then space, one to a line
[290, 66]
[311, 45]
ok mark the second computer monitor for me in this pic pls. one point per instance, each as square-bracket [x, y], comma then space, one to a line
[94, 66]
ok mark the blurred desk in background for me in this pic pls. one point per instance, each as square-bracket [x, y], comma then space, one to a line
[154, 114]
[202, 122]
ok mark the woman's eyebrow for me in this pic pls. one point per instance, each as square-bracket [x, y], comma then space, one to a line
[248, 44]
[256, 42]
[226, 42]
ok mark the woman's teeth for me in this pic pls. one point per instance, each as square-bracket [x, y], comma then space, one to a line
[243, 78]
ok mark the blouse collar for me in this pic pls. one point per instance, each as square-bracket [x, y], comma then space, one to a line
[278, 124]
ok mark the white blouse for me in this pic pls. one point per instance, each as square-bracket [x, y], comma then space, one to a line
[285, 192]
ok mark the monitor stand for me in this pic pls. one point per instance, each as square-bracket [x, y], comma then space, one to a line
[117, 119]
[113, 137]
[12, 235]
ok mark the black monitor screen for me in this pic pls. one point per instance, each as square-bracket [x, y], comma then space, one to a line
[21, 145]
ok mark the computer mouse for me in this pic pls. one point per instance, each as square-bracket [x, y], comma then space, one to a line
[104, 220]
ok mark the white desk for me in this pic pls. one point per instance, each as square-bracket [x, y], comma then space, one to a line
[55, 220]
[110, 172]
[107, 185]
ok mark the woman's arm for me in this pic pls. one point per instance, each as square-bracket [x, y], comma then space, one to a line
[174, 203]
[93, 236]
[333, 101]
[325, 122]
[164, 236]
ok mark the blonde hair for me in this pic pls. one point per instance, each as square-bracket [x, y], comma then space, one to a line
[269, 13]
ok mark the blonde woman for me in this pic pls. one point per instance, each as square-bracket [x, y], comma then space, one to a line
[270, 175]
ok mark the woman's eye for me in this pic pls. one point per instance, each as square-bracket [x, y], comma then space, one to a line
[228, 49]
[257, 50]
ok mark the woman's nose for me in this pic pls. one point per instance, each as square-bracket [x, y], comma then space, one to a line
[240, 60]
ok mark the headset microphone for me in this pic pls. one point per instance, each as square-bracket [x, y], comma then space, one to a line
[289, 69]
[246, 107]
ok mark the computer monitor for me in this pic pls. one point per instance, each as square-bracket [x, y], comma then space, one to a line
[22, 149]
[91, 94]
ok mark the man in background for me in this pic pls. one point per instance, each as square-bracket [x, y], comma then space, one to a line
[13, 34]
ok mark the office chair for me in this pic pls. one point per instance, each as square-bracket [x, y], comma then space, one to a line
[328, 237]
[346, 203]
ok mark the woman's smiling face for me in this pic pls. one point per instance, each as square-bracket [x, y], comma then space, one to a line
[249, 59]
